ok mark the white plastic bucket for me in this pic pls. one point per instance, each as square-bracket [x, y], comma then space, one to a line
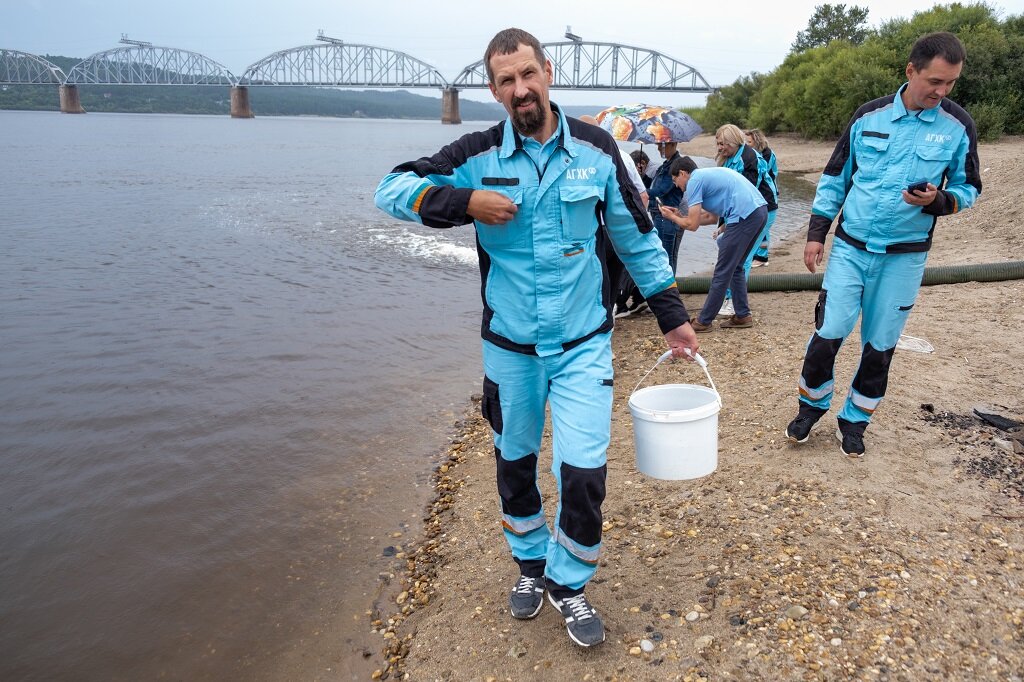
[675, 428]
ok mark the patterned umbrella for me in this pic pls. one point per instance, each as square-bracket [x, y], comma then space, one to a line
[644, 123]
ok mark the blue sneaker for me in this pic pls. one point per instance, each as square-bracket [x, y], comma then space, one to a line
[527, 597]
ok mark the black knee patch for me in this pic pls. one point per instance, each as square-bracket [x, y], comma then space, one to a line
[517, 485]
[582, 495]
[820, 360]
[873, 374]
[490, 405]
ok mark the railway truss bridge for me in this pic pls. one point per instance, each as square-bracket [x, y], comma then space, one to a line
[333, 63]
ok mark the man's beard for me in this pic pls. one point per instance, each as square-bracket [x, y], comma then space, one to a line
[530, 121]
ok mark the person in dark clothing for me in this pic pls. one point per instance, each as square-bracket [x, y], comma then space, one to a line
[663, 192]
[628, 299]
[642, 161]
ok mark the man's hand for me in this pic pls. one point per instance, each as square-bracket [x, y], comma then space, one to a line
[682, 337]
[491, 208]
[668, 212]
[921, 197]
[813, 253]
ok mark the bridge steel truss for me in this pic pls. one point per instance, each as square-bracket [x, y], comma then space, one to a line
[577, 64]
[145, 64]
[22, 68]
[582, 65]
[337, 64]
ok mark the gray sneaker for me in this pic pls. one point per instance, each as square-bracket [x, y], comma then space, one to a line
[527, 597]
[581, 619]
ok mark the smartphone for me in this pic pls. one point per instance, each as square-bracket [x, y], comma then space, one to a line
[918, 187]
[657, 201]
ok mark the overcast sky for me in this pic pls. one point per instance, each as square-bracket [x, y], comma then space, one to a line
[721, 40]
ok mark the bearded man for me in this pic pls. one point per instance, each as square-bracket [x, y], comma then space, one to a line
[545, 193]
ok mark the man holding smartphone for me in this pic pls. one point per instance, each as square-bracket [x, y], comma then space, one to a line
[903, 161]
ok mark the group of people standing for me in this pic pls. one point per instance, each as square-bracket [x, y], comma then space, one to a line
[746, 154]
[550, 198]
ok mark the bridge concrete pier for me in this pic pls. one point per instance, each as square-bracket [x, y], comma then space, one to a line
[450, 106]
[70, 103]
[240, 102]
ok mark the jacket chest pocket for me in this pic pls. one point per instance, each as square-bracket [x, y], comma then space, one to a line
[930, 163]
[512, 233]
[870, 153]
[579, 211]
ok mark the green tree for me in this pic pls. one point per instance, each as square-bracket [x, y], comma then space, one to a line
[833, 22]
[815, 92]
[991, 87]
[731, 104]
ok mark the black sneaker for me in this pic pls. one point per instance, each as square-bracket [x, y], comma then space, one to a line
[527, 597]
[581, 619]
[851, 435]
[799, 430]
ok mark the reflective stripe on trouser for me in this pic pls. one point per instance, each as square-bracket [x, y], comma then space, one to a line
[577, 384]
[748, 262]
[734, 245]
[880, 288]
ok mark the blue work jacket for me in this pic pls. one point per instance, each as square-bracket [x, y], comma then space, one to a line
[545, 282]
[749, 163]
[884, 149]
[665, 191]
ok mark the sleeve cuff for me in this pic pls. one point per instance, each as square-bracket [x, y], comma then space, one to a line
[668, 308]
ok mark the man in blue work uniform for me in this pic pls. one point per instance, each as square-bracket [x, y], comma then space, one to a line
[914, 137]
[545, 192]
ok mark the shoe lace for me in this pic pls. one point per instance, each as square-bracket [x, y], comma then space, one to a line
[525, 585]
[579, 607]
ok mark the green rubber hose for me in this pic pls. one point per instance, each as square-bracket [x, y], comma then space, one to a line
[946, 274]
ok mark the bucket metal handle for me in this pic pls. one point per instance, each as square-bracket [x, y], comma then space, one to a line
[696, 358]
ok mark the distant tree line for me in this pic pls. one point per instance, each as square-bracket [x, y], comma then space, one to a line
[838, 63]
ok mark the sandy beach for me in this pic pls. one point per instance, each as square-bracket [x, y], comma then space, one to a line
[789, 562]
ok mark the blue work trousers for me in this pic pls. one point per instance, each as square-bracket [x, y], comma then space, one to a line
[734, 244]
[577, 385]
[880, 288]
[748, 262]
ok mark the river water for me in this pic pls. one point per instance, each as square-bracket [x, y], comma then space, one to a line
[225, 378]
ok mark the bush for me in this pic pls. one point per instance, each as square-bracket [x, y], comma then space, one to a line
[731, 104]
[990, 119]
